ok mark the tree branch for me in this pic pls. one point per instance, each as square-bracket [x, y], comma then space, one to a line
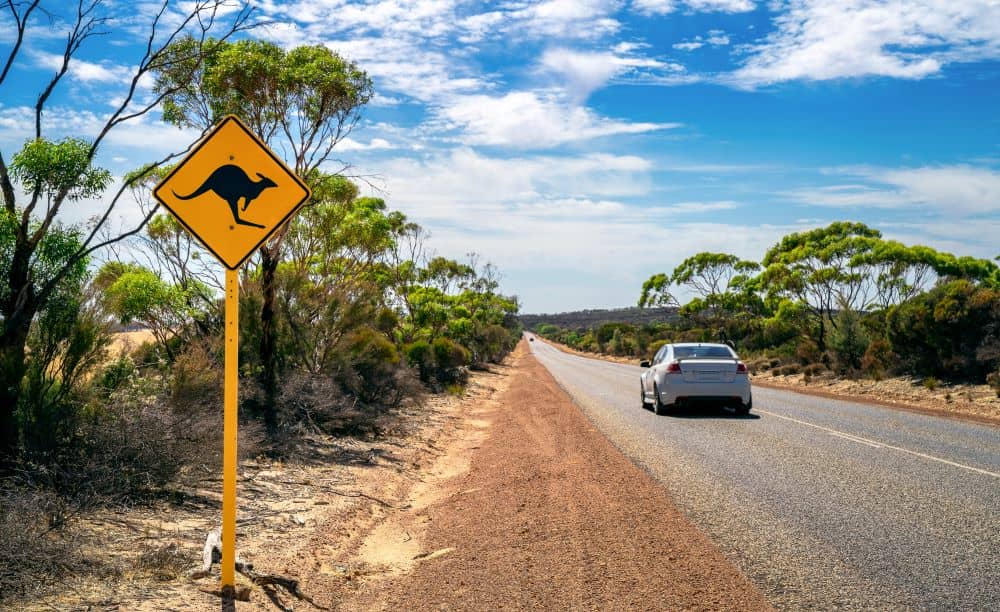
[21, 21]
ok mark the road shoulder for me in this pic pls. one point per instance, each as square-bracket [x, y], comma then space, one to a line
[551, 515]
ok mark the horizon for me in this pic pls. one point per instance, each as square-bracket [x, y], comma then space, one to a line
[584, 146]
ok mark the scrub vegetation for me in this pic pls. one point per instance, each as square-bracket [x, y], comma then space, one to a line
[838, 300]
[344, 312]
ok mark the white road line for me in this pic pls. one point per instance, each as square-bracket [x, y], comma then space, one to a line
[876, 444]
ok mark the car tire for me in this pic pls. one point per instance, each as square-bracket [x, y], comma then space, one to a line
[658, 407]
[744, 409]
[642, 397]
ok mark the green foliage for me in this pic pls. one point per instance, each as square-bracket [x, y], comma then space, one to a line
[420, 355]
[655, 292]
[67, 341]
[260, 82]
[950, 331]
[849, 340]
[54, 252]
[450, 357]
[54, 168]
[878, 359]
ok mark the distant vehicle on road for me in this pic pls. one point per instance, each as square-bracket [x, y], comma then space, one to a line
[687, 373]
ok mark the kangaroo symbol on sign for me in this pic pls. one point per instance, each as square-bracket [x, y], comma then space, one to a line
[231, 183]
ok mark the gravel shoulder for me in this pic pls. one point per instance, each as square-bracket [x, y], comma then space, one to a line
[550, 515]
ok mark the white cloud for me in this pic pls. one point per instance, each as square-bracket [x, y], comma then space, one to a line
[582, 72]
[349, 144]
[716, 38]
[831, 39]
[581, 19]
[663, 7]
[462, 176]
[84, 71]
[560, 217]
[525, 119]
[955, 189]
[689, 46]
[702, 207]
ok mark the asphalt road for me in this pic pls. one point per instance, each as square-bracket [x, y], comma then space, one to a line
[824, 504]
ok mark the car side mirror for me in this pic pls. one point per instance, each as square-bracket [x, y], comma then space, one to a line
[644, 363]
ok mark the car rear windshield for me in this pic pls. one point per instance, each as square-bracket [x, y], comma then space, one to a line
[687, 352]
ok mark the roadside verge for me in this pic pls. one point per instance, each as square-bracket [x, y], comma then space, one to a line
[551, 515]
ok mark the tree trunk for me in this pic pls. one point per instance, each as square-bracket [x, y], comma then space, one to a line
[12, 368]
[18, 312]
[269, 338]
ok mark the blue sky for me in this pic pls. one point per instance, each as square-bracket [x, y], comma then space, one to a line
[584, 145]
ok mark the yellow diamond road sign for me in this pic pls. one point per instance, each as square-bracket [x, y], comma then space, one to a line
[232, 192]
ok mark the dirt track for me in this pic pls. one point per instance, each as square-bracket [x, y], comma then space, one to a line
[550, 515]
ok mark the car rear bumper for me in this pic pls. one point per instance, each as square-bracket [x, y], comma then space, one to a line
[679, 391]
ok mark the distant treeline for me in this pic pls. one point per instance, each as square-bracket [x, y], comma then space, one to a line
[839, 300]
[587, 319]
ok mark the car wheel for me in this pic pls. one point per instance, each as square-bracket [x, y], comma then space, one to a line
[658, 407]
[642, 396]
[744, 409]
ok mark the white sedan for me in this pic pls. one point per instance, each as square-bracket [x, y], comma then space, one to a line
[692, 372]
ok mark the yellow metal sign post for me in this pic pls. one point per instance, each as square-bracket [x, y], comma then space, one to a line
[232, 193]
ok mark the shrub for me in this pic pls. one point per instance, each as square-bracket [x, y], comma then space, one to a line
[814, 369]
[35, 549]
[373, 359]
[115, 375]
[878, 358]
[420, 355]
[196, 377]
[788, 370]
[807, 351]
[849, 340]
[993, 380]
[948, 331]
[450, 358]
[930, 383]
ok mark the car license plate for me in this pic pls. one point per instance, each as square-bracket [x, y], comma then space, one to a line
[709, 375]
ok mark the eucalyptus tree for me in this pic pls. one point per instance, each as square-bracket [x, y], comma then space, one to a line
[824, 269]
[718, 281]
[40, 255]
[301, 102]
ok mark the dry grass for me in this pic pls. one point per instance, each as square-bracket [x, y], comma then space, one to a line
[125, 342]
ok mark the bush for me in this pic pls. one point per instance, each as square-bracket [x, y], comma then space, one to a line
[196, 377]
[788, 370]
[930, 383]
[373, 359]
[993, 380]
[807, 351]
[948, 331]
[878, 359]
[450, 359]
[814, 369]
[849, 340]
[420, 355]
[35, 550]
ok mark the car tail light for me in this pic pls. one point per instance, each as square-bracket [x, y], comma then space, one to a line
[741, 367]
[674, 366]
